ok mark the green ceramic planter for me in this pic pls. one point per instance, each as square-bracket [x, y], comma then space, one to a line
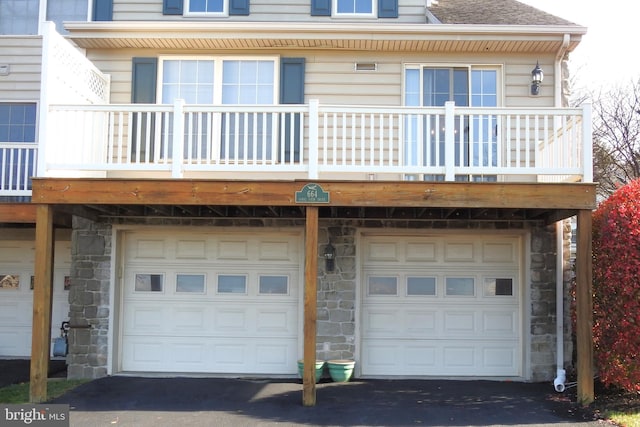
[319, 369]
[341, 370]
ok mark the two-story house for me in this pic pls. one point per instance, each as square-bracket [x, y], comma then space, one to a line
[233, 185]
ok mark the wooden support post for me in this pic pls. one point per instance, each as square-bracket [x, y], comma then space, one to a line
[310, 307]
[42, 299]
[584, 309]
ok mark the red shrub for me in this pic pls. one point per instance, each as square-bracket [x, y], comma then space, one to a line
[616, 286]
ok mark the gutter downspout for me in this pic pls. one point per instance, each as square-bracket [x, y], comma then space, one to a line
[561, 375]
[558, 70]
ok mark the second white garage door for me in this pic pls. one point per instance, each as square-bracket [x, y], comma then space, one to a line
[211, 302]
[441, 305]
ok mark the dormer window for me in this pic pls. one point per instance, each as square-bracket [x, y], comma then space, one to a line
[358, 8]
[206, 7]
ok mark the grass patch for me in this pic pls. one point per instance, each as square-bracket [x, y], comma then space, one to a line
[626, 420]
[19, 393]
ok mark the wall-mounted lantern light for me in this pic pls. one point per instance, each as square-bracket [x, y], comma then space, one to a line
[536, 79]
[329, 254]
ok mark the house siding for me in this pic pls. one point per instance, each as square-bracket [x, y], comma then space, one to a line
[331, 77]
[23, 55]
[91, 284]
[409, 11]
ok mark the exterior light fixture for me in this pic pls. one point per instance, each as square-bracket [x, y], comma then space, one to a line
[536, 79]
[329, 256]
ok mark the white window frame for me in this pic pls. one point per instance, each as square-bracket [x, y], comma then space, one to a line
[218, 83]
[218, 67]
[498, 68]
[44, 7]
[470, 67]
[223, 13]
[336, 14]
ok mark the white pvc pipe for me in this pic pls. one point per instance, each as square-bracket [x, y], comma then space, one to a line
[558, 382]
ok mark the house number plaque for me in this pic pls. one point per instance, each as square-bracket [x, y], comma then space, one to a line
[312, 193]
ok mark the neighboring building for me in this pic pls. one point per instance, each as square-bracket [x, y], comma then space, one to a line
[207, 158]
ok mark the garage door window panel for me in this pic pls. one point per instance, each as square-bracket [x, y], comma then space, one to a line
[383, 286]
[460, 286]
[232, 284]
[190, 283]
[149, 282]
[9, 281]
[274, 285]
[421, 286]
[498, 287]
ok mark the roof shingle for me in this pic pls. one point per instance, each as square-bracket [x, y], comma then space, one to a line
[492, 12]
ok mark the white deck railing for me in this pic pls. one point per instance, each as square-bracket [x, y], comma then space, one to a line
[317, 141]
[314, 141]
[17, 166]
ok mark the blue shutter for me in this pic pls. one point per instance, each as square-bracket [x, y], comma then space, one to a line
[143, 91]
[102, 10]
[143, 80]
[292, 92]
[172, 7]
[238, 7]
[320, 7]
[387, 8]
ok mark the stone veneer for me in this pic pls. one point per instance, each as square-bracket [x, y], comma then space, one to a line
[337, 290]
[89, 304]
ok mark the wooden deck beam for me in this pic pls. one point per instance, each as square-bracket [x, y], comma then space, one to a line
[17, 213]
[341, 193]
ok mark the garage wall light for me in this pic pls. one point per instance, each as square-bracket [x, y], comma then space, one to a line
[329, 254]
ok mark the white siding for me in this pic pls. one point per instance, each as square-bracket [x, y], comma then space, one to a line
[22, 54]
[409, 11]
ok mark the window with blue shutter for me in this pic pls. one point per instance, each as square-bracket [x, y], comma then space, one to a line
[206, 7]
[356, 8]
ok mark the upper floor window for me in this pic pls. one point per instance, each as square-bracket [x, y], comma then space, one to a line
[206, 7]
[354, 7]
[22, 16]
[19, 16]
[17, 160]
[59, 11]
[17, 122]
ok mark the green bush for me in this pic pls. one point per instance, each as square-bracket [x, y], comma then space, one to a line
[616, 286]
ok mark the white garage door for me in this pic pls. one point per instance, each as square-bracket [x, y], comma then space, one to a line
[211, 302]
[17, 258]
[441, 306]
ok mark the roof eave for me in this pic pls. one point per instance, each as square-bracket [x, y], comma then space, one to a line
[134, 34]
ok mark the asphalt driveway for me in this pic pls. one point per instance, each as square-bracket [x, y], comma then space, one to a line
[156, 402]
[219, 402]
